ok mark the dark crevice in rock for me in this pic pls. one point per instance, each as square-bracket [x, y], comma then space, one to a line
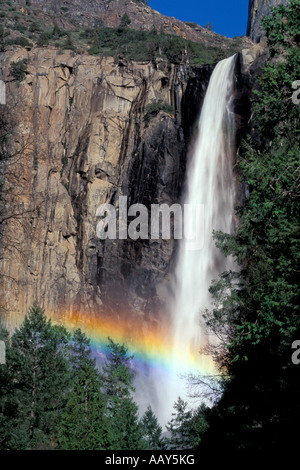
[78, 190]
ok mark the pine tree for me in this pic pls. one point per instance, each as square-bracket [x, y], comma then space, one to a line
[198, 425]
[5, 391]
[83, 425]
[178, 427]
[125, 21]
[37, 368]
[152, 431]
[122, 411]
[69, 44]
[56, 31]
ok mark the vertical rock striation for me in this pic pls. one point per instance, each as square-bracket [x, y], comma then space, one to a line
[81, 140]
[257, 10]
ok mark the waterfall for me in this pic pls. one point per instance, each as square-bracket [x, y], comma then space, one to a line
[209, 182]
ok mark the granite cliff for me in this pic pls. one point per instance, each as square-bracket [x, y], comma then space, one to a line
[70, 15]
[80, 139]
[257, 10]
[79, 132]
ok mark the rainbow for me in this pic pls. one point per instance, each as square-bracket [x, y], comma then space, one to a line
[150, 342]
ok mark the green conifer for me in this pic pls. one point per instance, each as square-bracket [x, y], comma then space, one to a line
[178, 426]
[152, 431]
[37, 367]
[122, 411]
[83, 425]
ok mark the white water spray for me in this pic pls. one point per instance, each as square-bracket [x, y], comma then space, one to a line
[209, 182]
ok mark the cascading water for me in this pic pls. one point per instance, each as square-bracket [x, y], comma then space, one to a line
[209, 183]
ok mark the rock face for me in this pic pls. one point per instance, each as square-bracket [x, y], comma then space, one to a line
[257, 10]
[69, 14]
[80, 140]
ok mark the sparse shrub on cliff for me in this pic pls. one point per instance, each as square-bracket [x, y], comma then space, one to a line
[20, 27]
[125, 21]
[152, 109]
[64, 160]
[69, 44]
[34, 27]
[44, 39]
[18, 70]
[191, 24]
[209, 26]
[121, 42]
[20, 41]
[147, 45]
[57, 32]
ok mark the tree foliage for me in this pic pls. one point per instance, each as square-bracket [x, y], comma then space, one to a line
[52, 395]
[147, 45]
[152, 431]
[152, 109]
[83, 425]
[178, 426]
[125, 21]
[36, 371]
[256, 314]
[18, 69]
[121, 410]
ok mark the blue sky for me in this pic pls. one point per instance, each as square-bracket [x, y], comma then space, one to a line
[229, 17]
